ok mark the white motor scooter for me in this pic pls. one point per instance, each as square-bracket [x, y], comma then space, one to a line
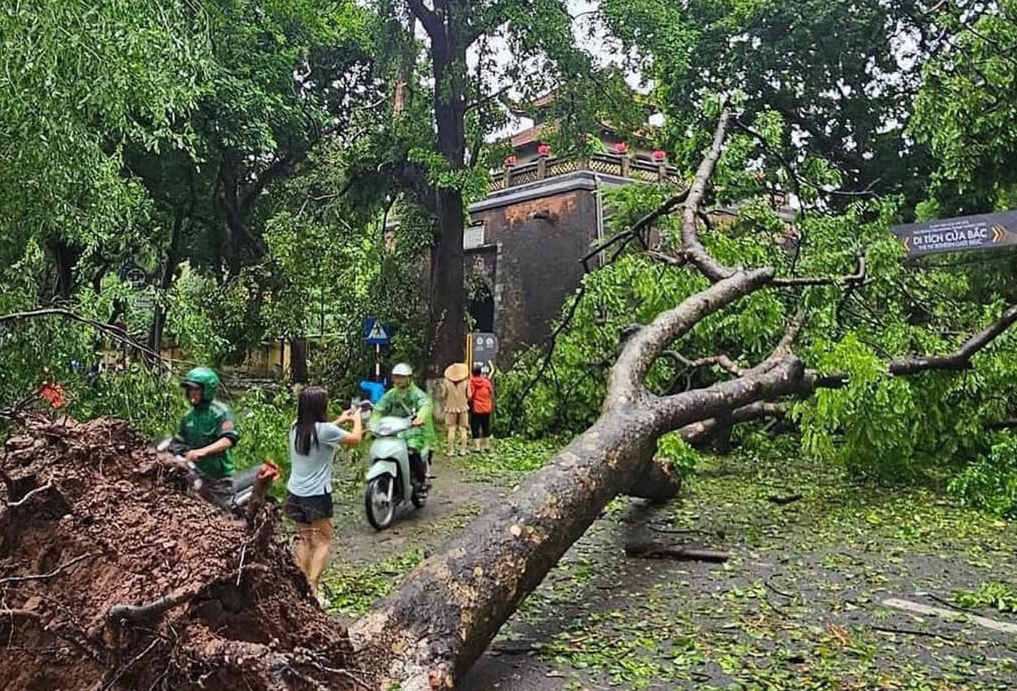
[391, 484]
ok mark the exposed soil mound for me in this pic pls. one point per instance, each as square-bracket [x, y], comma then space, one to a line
[112, 578]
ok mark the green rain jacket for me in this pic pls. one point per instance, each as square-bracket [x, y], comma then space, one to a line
[408, 403]
[204, 424]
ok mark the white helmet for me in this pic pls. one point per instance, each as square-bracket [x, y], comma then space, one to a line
[402, 370]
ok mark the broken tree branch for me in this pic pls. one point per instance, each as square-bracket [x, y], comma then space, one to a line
[958, 360]
[961, 359]
[130, 663]
[691, 245]
[783, 379]
[722, 361]
[772, 588]
[645, 346]
[785, 500]
[911, 632]
[794, 329]
[786, 343]
[700, 431]
[16, 409]
[1000, 425]
[850, 280]
[22, 613]
[653, 550]
[113, 332]
[637, 229]
[118, 614]
[674, 261]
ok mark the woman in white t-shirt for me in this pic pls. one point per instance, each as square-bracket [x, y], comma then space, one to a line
[313, 441]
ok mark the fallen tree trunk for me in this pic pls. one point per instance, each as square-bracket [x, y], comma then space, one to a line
[451, 606]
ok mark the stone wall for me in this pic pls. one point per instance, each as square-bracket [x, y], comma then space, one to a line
[533, 240]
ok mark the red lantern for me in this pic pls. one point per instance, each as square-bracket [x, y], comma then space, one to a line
[621, 147]
[544, 149]
[659, 156]
[510, 161]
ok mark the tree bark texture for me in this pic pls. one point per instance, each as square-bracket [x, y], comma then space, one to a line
[658, 481]
[448, 294]
[446, 339]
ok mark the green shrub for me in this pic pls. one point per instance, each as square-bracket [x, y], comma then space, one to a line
[990, 483]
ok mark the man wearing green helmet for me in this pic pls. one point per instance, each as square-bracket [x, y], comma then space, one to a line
[209, 431]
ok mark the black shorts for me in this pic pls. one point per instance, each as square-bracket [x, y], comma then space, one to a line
[307, 510]
[480, 425]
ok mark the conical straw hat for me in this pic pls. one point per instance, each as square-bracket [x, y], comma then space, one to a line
[457, 371]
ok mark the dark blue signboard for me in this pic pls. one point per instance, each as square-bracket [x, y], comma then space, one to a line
[981, 232]
[376, 333]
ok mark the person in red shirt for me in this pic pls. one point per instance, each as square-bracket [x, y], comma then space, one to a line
[481, 395]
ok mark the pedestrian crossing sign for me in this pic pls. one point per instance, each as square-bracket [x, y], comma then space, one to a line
[376, 333]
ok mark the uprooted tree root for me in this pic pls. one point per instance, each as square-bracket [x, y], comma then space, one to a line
[112, 579]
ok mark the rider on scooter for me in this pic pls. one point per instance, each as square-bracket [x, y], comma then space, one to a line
[406, 400]
[209, 432]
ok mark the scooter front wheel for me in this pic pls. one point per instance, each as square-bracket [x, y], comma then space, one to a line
[379, 502]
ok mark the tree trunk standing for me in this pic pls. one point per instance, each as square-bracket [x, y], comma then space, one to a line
[165, 282]
[447, 335]
[448, 291]
[235, 209]
[65, 257]
[155, 333]
[298, 360]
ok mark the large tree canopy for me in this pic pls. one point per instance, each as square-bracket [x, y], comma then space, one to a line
[967, 111]
[79, 83]
[155, 133]
[843, 76]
